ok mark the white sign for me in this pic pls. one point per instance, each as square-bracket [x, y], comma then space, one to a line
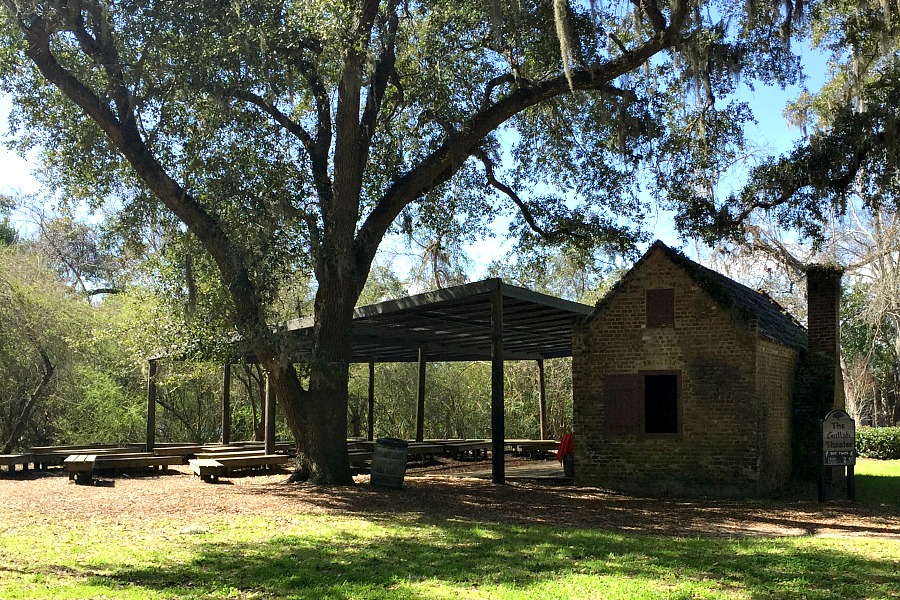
[838, 439]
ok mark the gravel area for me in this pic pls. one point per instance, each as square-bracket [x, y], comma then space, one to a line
[439, 492]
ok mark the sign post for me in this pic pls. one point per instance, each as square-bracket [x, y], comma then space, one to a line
[838, 450]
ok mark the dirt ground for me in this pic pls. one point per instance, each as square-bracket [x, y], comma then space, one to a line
[436, 493]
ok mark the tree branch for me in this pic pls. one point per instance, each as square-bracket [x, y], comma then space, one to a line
[169, 407]
[350, 146]
[549, 236]
[786, 187]
[319, 146]
[104, 52]
[442, 163]
[106, 290]
[125, 137]
[653, 13]
[385, 71]
[279, 117]
[21, 422]
[492, 85]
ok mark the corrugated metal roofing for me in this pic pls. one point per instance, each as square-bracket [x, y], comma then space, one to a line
[454, 324]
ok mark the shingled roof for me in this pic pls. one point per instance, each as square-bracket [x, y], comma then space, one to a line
[774, 322]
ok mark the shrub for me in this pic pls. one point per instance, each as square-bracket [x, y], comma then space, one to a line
[878, 442]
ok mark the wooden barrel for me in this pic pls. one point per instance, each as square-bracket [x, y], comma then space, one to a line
[389, 462]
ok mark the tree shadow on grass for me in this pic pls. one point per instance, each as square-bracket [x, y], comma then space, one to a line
[879, 490]
[469, 500]
[411, 561]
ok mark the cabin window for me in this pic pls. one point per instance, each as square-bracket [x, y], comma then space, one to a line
[660, 307]
[661, 403]
[642, 403]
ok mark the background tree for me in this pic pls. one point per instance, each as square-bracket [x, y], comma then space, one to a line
[40, 327]
[835, 196]
[8, 235]
[291, 137]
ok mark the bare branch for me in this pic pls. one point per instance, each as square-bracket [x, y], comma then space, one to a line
[39, 392]
[775, 248]
[549, 236]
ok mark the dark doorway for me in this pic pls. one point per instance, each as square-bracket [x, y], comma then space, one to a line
[661, 404]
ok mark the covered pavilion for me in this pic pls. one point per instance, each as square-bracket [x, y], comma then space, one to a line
[480, 321]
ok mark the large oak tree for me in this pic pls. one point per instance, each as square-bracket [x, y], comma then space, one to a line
[289, 136]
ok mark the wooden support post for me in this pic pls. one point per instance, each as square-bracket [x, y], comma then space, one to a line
[151, 405]
[420, 399]
[851, 482]
[226, 404]
[269, 416]
[371, 428]
[498, 470]
[543, 391]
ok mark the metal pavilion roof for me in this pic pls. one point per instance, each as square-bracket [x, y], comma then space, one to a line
[454, 324]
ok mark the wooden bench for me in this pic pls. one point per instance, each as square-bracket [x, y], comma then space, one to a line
[475, 447]
[234, 463]
[183, 451]
[48, 456]
[137, 462]
[11, 460]
[80, 467]
[532, 447]
[210, 469]
[280, 447]
[359, 458]
[229, 454]
[206, 469]
[424, 451]
[70, 449]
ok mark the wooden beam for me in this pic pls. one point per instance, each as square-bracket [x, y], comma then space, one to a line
[498, 470]
[151, 405]
[420, 398]
[543, 391]
[269, 416]
[371, 428]
[226, 404]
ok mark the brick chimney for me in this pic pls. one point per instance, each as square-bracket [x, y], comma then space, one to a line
[819, 383]
[823, 297]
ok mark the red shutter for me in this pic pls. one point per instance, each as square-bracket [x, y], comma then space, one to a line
[660, 307]
[624, 404]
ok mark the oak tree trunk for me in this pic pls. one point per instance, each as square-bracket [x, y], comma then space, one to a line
[317, 416]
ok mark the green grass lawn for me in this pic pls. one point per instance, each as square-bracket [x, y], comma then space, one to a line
[321, 556]
[878, 483]
[328, 557]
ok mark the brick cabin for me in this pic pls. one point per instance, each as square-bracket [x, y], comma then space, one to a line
[683, 382]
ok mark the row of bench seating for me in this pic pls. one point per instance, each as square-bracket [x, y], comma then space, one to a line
[80, 462]
[361, 450]
[209, 462]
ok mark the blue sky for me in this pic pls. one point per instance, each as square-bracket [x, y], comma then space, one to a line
[15, 172]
